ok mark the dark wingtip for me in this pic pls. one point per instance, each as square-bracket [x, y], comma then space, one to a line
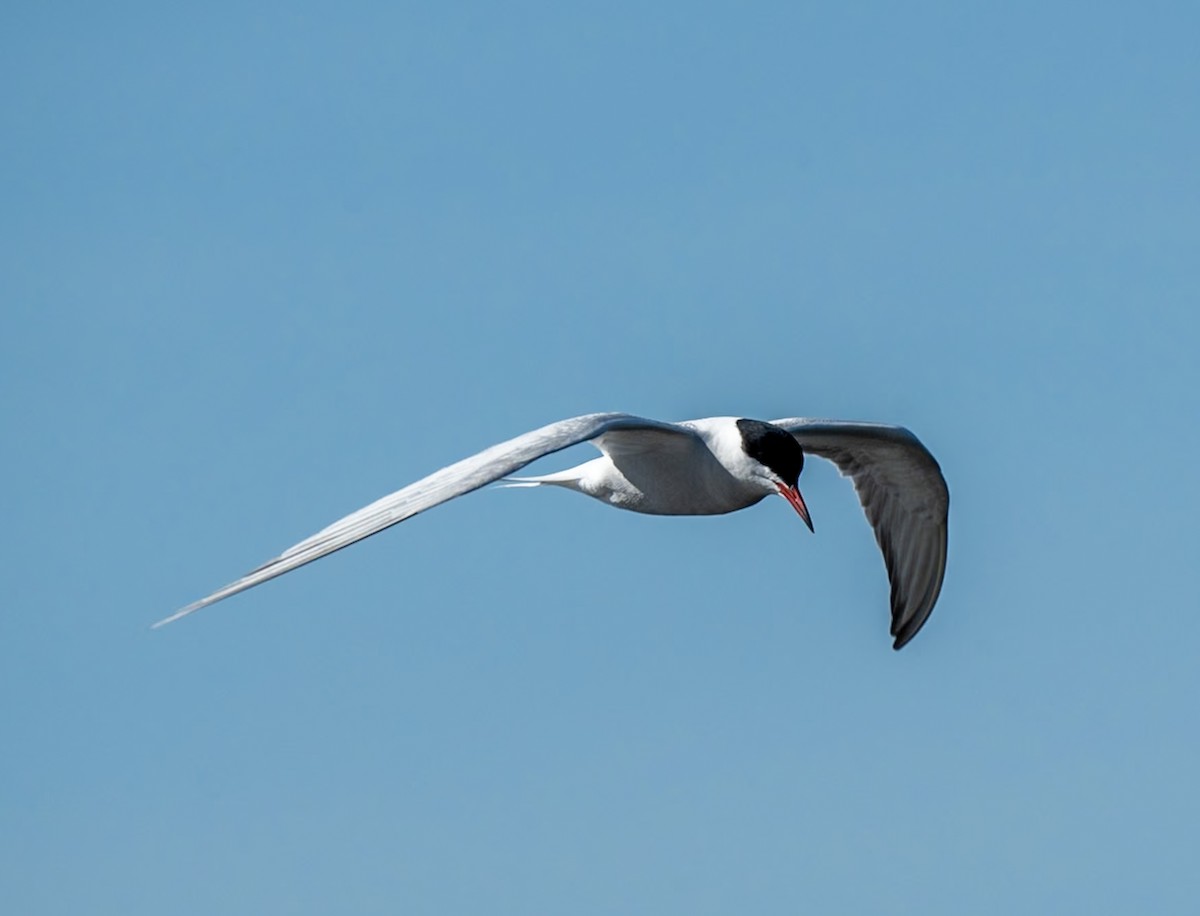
[907, 632]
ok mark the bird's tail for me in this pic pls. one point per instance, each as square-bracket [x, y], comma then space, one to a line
[569, 479]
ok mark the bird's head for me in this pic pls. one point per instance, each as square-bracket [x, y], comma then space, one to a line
[778, 459]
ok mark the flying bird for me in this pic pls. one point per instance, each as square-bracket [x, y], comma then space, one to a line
[699, 467]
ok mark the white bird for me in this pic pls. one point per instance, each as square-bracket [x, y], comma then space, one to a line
[699, 467]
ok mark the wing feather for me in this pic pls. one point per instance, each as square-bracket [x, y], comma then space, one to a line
[441, 486]
[906, 500]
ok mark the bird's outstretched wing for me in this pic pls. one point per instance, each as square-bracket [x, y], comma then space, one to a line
[905, 498]
[441, 486]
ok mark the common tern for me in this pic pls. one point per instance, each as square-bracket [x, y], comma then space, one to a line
[699, 467]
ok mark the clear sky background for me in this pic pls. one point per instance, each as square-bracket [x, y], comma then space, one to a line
[261, 264]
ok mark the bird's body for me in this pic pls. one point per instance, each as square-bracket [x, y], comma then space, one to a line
[710, 466]
[660, 472]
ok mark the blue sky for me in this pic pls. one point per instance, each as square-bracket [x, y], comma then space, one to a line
[260, 266]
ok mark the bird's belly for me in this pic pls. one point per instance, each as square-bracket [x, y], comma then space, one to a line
[656, 505]
[665, 488]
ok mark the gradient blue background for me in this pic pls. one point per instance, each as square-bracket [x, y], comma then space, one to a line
[261, 264]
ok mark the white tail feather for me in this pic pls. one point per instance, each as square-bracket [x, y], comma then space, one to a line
[569, 478]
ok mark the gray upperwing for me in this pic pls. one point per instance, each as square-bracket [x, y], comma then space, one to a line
[905, 498]
[441, 486]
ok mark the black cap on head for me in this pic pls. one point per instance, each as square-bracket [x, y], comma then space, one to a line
[773, 447]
